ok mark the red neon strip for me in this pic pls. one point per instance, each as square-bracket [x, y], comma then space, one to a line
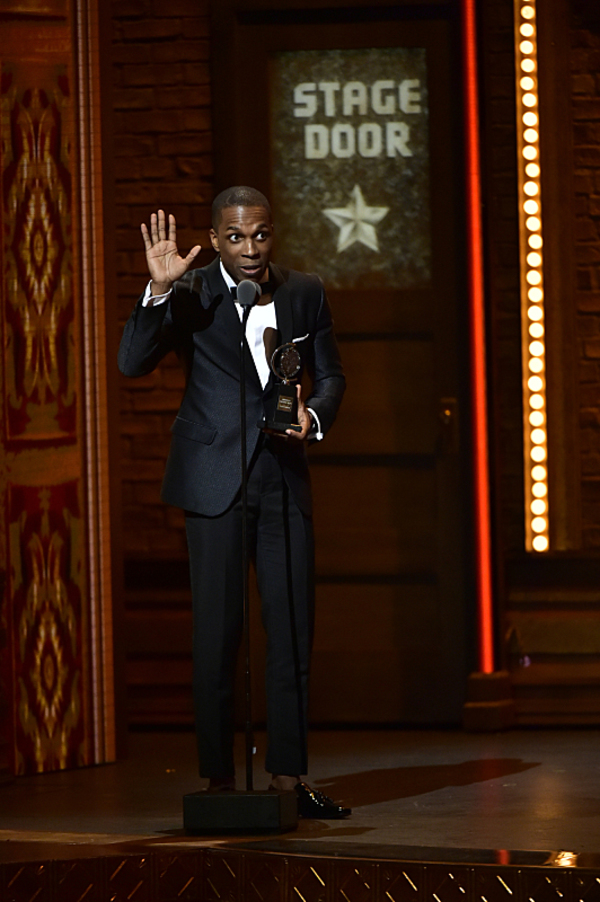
[485, 621]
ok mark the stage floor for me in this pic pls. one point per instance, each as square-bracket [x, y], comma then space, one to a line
[428, 790]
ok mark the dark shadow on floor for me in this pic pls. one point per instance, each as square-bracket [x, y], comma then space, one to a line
[374, 786]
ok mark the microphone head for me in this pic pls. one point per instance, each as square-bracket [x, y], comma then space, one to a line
[248, 292]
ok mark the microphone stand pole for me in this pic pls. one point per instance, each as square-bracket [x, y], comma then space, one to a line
[245, 556]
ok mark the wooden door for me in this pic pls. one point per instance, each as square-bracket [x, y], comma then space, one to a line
[392, 506]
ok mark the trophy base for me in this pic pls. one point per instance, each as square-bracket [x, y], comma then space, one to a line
[278, 426]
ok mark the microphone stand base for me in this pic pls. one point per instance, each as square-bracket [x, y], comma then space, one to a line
[240, 812]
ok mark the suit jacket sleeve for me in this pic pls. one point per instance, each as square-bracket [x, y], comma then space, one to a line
[325, 368]
[148, 336]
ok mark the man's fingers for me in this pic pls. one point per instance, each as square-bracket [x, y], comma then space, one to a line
[154, 228]
[172, 228]
[146, 237]
[162, 231]
[193, 253]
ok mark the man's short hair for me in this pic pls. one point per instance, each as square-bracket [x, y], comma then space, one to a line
[238, 196]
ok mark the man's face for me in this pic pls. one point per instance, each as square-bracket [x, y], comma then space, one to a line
[244, 239]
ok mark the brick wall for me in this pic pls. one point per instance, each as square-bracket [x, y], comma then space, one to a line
[162, 147]
[499, 169]
[585, 60]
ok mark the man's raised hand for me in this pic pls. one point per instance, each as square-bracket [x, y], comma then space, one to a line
[164, 263]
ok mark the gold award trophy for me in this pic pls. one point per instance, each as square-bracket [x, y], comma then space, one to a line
[286, 364]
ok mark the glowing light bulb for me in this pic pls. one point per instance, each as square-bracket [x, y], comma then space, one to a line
[526, 30]
[530, 135]
[527, 83]
[536, 418]
[538, 453]
[528, 12]
[536, 295]
[535, 241]
[540, 543]
[535, 313]
[533, 277]
[527, 65]
[538, 436]
[539, 489]
[538, 507]
[534, 259]
[526, 47]
[529, 99]
[536, 348]
[531, 189]
[533, 223]
[539, 524]
[531, 207]
[539, 473]
[532, 170]
[530, 152]
[536, 401]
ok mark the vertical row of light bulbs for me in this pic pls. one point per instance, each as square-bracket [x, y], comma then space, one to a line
[535, 433]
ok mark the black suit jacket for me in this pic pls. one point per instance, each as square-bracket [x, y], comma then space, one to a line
[200, 323]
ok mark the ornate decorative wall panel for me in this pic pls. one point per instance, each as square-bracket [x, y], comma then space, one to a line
[55, 614]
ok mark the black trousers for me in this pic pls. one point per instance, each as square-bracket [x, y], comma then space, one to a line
[281, 545]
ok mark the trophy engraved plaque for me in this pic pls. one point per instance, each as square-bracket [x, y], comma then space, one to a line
[286, 364]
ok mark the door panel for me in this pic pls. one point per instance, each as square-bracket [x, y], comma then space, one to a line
[390, 479]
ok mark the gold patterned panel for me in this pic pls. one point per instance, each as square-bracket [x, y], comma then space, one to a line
[47, 584]
[36, 122]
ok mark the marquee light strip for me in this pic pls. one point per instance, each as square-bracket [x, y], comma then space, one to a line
[533, 346]
[481, 482]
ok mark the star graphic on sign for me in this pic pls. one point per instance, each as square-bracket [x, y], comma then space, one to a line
[356, 221]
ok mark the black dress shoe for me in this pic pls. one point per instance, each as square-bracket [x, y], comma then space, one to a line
[312, 803]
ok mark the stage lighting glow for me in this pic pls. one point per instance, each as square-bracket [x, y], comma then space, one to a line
[535, 436]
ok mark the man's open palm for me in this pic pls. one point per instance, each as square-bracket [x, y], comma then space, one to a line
[164, 263]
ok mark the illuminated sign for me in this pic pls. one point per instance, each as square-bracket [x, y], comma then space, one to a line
[350, 165]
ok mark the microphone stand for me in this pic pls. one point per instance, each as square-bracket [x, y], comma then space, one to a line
[249, 811]
[245, 556]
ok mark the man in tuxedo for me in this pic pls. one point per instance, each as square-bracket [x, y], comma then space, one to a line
[195, 313]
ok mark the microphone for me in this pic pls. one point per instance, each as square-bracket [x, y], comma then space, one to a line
[248, 293]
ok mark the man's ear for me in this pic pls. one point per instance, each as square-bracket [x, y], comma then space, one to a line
[214, 240]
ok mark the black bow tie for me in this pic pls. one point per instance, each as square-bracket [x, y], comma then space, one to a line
[265, 288]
